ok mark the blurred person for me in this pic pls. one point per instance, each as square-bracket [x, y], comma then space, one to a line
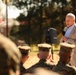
[69, 35]
[65, 56]
[20, 42]
[43, 71]
[43, 55]
[24, 49]
[10, 57]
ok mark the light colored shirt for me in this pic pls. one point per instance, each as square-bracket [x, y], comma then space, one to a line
[67, 34]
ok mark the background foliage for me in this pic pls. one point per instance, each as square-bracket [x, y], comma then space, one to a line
[42, 14]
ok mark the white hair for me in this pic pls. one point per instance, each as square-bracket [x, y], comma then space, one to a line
[71, 15]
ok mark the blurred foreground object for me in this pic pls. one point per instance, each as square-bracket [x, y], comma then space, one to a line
[20, 42]
[43, 71]
[10, 57]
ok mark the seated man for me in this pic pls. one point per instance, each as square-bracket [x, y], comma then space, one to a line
[44, 53]
[10, 57]
[65, 56]
[24, 49]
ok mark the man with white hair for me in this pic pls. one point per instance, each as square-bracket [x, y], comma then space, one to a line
[69, 35]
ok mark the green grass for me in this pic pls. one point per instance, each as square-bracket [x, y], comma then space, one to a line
[55, 47]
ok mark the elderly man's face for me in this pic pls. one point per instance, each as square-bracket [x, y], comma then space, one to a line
[69, 21]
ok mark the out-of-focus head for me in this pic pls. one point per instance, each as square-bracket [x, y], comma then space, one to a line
[65, 51]
[10, 57]
[20, 42]
[24, 49]
[70, 19]
[44, 50]
[44, 71]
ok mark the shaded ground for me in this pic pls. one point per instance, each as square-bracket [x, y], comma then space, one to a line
[34, 59]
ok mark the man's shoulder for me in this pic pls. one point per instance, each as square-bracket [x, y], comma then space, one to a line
[64, 68]
[70, 70]
[73, 68]
[41, 64]
[50, 63]
[31, 69]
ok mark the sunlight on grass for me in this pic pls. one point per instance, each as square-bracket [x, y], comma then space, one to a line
[34, 47]
[55, 47]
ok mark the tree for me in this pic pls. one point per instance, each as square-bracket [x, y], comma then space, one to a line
[42, 14]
